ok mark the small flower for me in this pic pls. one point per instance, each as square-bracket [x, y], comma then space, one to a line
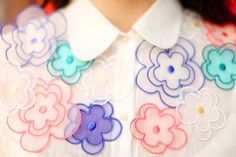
[158, 130]
[16, 88]
[46, 118]
[220, 34]
[66, 66]
[178, 70]
[166, 72]
[199, 110]
[220, 65]
[33, 39]
[106, 80]
[97, 127]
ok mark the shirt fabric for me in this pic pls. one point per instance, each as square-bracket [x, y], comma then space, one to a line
[75, 85]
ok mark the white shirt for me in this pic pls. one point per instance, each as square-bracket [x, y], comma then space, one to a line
[170, 82]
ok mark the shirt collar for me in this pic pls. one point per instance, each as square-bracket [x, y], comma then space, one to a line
[90, 33]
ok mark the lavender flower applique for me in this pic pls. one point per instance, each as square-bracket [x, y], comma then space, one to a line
[166, 72]
[33, 39]
[97, 127]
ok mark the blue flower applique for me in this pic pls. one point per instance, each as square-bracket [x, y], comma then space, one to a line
[97, 127]
[33, 39]
[220, 65]
[166, 72]
[66, 66]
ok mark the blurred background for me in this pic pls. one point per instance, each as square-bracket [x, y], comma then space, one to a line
[8, 12]
[10, 8]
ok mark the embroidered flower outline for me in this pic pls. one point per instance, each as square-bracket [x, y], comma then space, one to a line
[168, 71]
[66, 66]
[46, 118]
[16, 88]
[220, 65]
[106, 80]
[199, 110]
[97, 127]
[33, 39]
[158, 130]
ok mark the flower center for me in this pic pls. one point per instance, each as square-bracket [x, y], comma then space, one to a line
[70, 59]
[225, 34]
[196, 25]
[200, 110]
[104, 79]
[171, 69]
[34, 41]
[222, 67]
[13, 89]
[92, 125]
[156, 129]
[43, 109]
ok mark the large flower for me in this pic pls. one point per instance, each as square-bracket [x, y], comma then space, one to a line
[220, 65]
[47, 117]
[200, 111]
[66, 66]
[33, 39]
[16, 88]
[97, 127]
[158, 130]
[220, 34]
[106, 80]
[168, 71]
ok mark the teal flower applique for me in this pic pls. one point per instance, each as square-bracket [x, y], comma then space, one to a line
[66, 66]
[220, 65]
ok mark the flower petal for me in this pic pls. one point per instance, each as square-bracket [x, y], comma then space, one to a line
[91, 149]
[116, 131]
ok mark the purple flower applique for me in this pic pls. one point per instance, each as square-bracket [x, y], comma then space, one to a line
[33, 39]
[166, 72]
[97, 127]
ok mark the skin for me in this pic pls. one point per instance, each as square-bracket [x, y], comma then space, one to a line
[123, 13]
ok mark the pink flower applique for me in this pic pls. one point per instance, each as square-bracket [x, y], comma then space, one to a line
[158, 130]
[16, 88]
[220, 34]
[47, 118]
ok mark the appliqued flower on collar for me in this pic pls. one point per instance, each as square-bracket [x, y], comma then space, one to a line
[168, 71]
[199, 110]
[66, 66]
[220, 34]
[158, 130]
[16, 88]
[97, 127]
[220, 65]
[46, 118]
[106, 80]
[33, 39]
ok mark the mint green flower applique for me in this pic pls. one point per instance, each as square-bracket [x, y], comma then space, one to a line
[66, 66]
[220, 65]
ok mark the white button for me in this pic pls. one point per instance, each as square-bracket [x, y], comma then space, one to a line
[124, 117]
[125, 39]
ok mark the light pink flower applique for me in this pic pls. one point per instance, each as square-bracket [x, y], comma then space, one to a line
[158, 130]
[220, 34]
[47, 118]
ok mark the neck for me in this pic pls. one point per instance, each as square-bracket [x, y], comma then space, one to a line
[123, 13]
